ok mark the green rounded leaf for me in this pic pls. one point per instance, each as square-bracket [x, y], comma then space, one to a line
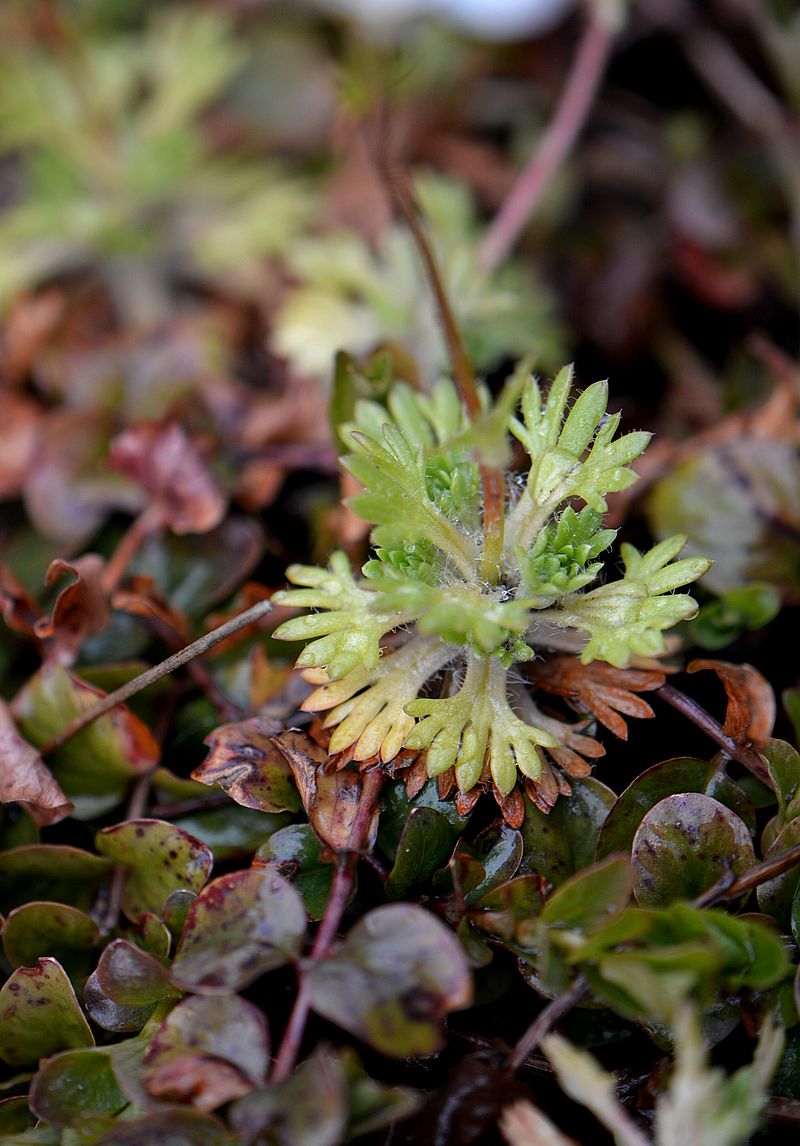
[159, 859]
[39, 1014]
[75, 1084]
[296, 853]
[54, 929]
[50, 872]
[776, 896]
[95, 766]
[132, 977]
[396, 976]
[563, 842]
[670, 777]
[209, 1050]
[240, 926]
[113, 1016]
[684, 845]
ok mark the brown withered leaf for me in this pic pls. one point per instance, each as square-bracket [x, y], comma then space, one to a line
[204, 1081]
[27, 328]
[751, 711]
[170, 467]
[608, 693]
[245, 762]
[80, 610]
[143, 598]
[331, 799]
[18, 608]
[512, 807]
[25, 779]
[19, 436]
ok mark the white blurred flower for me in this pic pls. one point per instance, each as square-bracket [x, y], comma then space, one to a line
[486, 19]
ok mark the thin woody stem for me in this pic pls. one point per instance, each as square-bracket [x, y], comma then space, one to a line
[731, 887]
[341, 889]
[149, 521]
[744, 754]
[145, 679]
[544, 1022]
[557, 141]
[402, 196]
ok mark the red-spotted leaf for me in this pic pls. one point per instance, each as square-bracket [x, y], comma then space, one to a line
[94, 767]
[208, 1051]
[684, 845]
[246, 764]
[240, 926]
[25, 779]
[55, 929]
[159, 859]
[399, 972]
[39, 1014]
[75, 1084]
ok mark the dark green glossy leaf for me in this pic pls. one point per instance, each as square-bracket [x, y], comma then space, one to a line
[502, 909]
[683, 774]
[560, 843]
[425, 844]
[131, 977]
[240, 926]
[498, 849]
[50, 872]
[15, 1117]
[776, 896]
[591, 897]
[783, 762]
[55, 929]
[397, 808]
[791, 702]
[94, 767]
[159, 858]
[175, 909]
[39, 1014]
[112, 1016]
[396, 976]
[209, 1051]
[244, 762]
[74, 1084]
[296, 852]
[684, 845]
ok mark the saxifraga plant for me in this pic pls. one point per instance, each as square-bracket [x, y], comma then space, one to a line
[435, 646]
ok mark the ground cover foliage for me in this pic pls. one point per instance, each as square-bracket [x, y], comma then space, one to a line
[512, 855]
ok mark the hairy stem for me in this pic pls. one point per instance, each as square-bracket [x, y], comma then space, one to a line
[341, 889]
[176, 661]
[579, 92]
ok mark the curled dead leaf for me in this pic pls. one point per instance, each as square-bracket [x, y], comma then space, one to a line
[19, 609]
[25, 779]
[751, 710]
[80, 610]
[332, 800]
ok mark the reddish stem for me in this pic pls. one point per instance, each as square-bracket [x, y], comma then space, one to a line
[129, 544]
[341, 889]
[745, 754]
[576, 100]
